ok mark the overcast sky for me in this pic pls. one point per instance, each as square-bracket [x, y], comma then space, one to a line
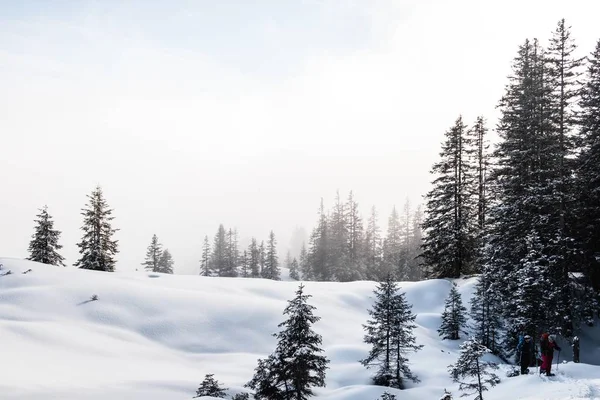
[246, 113]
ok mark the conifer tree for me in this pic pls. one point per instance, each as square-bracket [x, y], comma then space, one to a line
[296, 366]
[486, 313]
[165, 263]
[356, 268]
[153, 255]
[271, 269]
[211, 387]
[294, 268]
[588, 209]
[318, 256]
[218, 259]
[97, 247]
[389, 332]
[244, 265]
[43, 247]
[373, 249]
[205, 266]
[471, 372]
[254, 260]
[454, 319]
[448, 248]
[337, 249]
[304, 264]
[392, 246]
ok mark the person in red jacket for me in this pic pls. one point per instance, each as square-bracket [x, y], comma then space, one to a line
[547, 346]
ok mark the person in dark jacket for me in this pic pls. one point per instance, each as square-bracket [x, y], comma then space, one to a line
[526, 352]
[547, 346]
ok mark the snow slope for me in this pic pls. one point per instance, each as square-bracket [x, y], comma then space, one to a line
[154, 336]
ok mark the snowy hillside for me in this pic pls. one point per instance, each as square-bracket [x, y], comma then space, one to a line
[152, 336]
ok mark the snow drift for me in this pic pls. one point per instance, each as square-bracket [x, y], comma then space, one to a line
[154, 336]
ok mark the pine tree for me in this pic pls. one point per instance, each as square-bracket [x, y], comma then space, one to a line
[392, 246]
[448, 248]
[486, 313]
[218, 259]
[373, 249]
[245, 265]
[588, 208]
[254, 259]
[165, 263]
[414, 251]
[153, 255]
[337, 250]
[271, 269]
[97, 248]
[43, 247]
[294, 268]
[296, 366]
[389, 332]
[470, 366]
[356, 269]
[205, 267]
[319, 259]
[211, 387]
[231, 255]
[304, 264]
[454, 319]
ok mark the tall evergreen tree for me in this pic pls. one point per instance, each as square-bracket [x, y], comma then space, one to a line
[304, 264]
[153, 255]
[205, 266]
[392, 246]
[470, 366]
[254, 259]
[165, 263]
[373, 249]
[296, 366]
[487, 314]
[218, 259]
[356, 253]
[588, 186]
[448, 248]
[318, 256]
[245, 265]
[389, 332]
[271, 269]
[97, 247]
[454, 319]
[43, 247]
[294, 268]
[337, 249]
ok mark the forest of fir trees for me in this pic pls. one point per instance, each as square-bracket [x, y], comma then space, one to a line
[526, 214]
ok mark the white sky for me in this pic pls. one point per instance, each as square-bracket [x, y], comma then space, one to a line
[195, 113]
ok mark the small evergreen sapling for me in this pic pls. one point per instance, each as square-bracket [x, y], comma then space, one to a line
[470, 366]
[387, 396]
[241, 396]
[44, 246]
[153, 254]
[453, 317]
[211, 387]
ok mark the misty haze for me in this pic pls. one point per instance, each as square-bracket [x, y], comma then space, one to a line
[345, 199]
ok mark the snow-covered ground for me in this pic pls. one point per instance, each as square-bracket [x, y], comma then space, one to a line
[153, 336]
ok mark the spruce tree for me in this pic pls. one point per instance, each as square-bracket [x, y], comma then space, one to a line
[165, 263]
[373, 249]
[271, 269]
[389, 332]
[319, 259]
[448, 248]
[153, 255]
[43, 247]
[205, 266]
[294, 268]
[304, 264]
[254, 259]
[392, 246]
[356, 252]
[211, 387]
[296, 366]
[588, 209]
[337, 249]
[454, 319]
[97, 247]
[218, 259]
[244, 265]
[486, 313]
[471, 372]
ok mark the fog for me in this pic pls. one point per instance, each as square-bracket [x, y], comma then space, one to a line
[194, 113]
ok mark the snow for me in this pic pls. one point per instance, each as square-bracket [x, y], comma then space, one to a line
[154, 336]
